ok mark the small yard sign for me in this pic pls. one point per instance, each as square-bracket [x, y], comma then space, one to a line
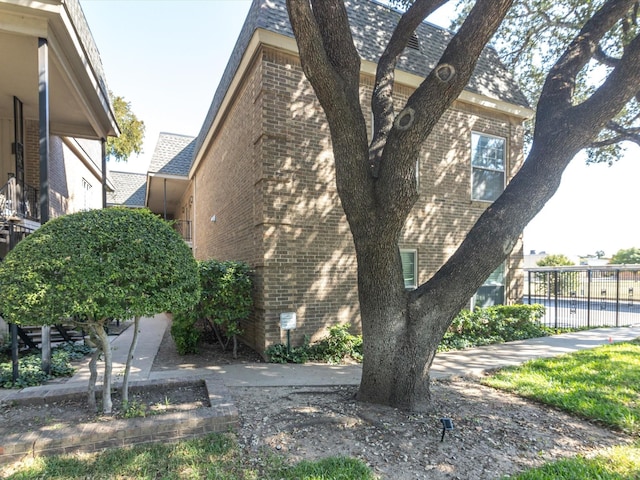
[288, 320]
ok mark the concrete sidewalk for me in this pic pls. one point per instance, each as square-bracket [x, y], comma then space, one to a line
[456, 363]
[471, 362]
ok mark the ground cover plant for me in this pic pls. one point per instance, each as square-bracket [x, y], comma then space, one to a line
[30, 366]
[602, 384]
[214, 456]
[483, 326]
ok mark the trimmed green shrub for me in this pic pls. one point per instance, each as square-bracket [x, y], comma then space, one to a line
[225, 299]
[88, 267]
[498, 324]
[339, 345]
[335, 348]
[184, 333]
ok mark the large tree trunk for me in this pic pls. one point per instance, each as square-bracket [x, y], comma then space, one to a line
[399, 339]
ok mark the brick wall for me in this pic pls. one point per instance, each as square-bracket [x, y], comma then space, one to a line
[269, 178]
[72, 186]
[227, 186]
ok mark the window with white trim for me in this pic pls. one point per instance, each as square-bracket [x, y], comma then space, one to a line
[409, 268]
[492, 290]
[488, 159]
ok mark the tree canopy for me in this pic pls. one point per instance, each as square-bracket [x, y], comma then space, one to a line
[554, 260]
[131, 131]
[626, 256]
[99, 264]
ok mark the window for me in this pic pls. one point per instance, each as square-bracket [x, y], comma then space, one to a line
[409, 268]
[487, 167]
[492, 290]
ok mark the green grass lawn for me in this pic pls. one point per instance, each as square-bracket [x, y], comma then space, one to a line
[215, 456]
[602, 384]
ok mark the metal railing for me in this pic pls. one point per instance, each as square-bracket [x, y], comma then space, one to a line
[578, 297]
[19, 201]
[183, 227]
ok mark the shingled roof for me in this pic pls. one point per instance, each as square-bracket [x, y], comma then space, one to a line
[173, 154]
[490, 77]
[130, 189]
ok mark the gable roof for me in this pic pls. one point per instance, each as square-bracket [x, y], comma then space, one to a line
[173, 154]
[490, 77]
[130, 189]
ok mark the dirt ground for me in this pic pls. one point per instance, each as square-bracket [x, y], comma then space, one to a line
[494, 433]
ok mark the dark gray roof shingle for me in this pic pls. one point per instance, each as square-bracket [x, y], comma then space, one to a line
[370, 36]
[130, 189]
[173, 154]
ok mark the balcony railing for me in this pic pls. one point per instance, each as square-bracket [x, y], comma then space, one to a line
[19, 201]
[183, 227]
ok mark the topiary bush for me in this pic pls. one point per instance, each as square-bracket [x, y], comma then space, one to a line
[91, 266]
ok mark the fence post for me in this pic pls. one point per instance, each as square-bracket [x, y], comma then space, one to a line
[588, 298]
[15, 369]
[617, 298]
[555, 294]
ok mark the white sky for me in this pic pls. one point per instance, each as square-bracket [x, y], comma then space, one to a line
[167, 57]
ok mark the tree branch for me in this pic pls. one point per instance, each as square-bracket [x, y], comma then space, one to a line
[622, 134]
[333, 24]
[561, 132]
[559, 86]
[334, 77]
[382, 98]
[396, 184]
[614, 93]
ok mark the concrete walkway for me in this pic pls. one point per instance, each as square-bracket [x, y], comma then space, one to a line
[456, 363]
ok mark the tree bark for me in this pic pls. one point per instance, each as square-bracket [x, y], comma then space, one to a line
[127, 369]
[93, 372]
[105, 346]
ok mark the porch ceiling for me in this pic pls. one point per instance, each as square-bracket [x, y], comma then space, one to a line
[78, 104]
[175, 188]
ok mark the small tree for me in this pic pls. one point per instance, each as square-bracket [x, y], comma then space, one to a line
[566, 281]
[226, 298]
[91, 266]
[131, 135]
[554, 261]
[626, 256]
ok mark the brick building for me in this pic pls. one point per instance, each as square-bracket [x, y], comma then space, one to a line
[260, 185]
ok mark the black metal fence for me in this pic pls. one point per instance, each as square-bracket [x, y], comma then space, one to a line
[586, 296]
